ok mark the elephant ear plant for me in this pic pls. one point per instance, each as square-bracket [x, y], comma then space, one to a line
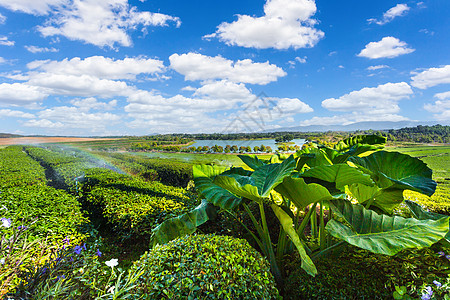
[354, 186]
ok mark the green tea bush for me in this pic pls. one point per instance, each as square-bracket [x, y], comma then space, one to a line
[131, 204]
[359, 274]
[168, 172]
[205, 267]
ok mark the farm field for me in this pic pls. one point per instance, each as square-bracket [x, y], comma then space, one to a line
[119, 205]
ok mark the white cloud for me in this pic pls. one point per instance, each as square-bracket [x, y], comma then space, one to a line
[396, 11]
[378, 67]
[431, 77]
[101, 23]
[351, 118]
[5, 42]
[2, 60]
[289, 106]
[388, 47]
[301, 60]
[2, 19]
[285, 24]
[100, 67]
[87, 104]
[195, 66]
[83, 86]
[36, 49]
[35, 7]
[72, 119]
[15, 114]
[43, 123]
[443, 96]
[440, 108]
[225, 90]
[371, 101]
[20, 94]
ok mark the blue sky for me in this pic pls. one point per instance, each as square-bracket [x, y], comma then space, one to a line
[118, 67]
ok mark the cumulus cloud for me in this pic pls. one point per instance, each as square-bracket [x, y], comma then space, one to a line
[2, 19]
[41, 7]
[441, 107]
[43, 123]
[82, 86]
[5, 42]
[72, 119]
[285, 24]
[100, 67]
[379, 100]
[36, 49]
[19, 94]
[87, 104]
[15, 114]
[431, 77]
[396, 11]
[195, 66]
[388, 47]
[101, 23]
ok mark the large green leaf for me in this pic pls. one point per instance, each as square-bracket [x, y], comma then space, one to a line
[313, 157]
[257, 187]
[341, 174]
[381, 233]
[268, 176]
[301, 193]
[288, 226]
[243, 189]
[348, 143]
[184, 224]
[386, 199]
[252, 161]
[397, 170]
[421, 214]
[203, 179]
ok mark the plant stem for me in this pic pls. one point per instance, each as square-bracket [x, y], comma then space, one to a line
[302, 227]
[322, 233]
[314, 222]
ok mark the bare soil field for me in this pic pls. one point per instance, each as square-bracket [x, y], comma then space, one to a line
[43, 140]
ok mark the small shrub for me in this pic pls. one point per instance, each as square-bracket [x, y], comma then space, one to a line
[205, 267]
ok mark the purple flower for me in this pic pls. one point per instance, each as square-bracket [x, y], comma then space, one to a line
[44, 270]
[84, 246]
[447, 256]
[77, 250]
[437, 283]
[66, 240]
[5, 222]
[425, 297]
[21, 227]
[441, 253]
[98, 253]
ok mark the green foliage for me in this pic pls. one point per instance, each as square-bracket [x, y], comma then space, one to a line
[133, 205]
[205, 267]
[360, 274]
[167, 171]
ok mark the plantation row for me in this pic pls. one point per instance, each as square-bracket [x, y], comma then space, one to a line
[330, 223]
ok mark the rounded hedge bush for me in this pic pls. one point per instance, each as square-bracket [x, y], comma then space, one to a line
[204, 267]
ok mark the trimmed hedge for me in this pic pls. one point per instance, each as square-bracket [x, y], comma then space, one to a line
[204, 267]
[360, 274]
[168, 172]
[132, 204]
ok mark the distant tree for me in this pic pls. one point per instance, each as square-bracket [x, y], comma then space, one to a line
[256, 149]
[248, 149]
[262, 148]
[234, 148]
[269, 149]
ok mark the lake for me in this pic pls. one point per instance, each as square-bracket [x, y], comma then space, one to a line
[245, 143]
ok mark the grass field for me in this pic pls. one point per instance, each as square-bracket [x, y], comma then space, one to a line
[438, 159]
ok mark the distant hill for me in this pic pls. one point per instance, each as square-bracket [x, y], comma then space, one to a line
[9, 135]
[374, 125]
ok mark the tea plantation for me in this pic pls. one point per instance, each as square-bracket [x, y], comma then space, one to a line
[345, 222]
